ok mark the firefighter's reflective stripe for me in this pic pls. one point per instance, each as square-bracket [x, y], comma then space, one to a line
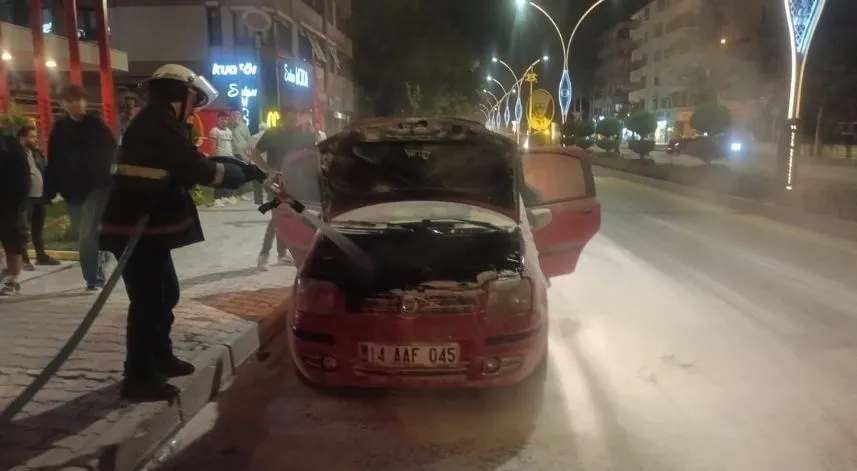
[138, 171]
[127, 230]
[219, 174]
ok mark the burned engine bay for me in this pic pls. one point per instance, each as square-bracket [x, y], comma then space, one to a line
[407, 259]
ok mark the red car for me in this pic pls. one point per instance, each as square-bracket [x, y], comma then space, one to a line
[443, 208]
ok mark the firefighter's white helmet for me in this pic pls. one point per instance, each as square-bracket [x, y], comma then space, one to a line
[205, 91]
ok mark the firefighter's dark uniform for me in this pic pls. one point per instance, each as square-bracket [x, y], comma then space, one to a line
[155, 169]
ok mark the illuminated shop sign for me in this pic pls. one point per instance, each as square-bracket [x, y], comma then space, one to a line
[239, 82]
[295, 75]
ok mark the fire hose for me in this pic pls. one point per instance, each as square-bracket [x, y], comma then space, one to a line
[348, 247]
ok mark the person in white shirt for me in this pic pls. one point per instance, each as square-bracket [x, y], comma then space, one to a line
[221, 136]
[320, 135]
[248, 148]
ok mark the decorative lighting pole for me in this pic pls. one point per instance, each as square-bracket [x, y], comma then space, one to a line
[802, 19]
[565, 80]
[506, 114]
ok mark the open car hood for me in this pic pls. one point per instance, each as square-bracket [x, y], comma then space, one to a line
[391, 160]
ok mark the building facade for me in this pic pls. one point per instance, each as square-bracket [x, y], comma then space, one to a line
[612, 76]
[258, 54]
[686, 52]
[38, 57]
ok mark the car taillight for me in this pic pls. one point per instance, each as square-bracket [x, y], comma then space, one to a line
[509, 298]
[318, 297]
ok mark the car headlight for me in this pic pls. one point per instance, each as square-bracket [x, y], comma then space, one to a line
[736, 146]
[509, 298]
[318, 297]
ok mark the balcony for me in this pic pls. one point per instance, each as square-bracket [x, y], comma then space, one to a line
[309, 18]
[17, 41]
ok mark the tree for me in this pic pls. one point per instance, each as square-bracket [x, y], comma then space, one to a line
[411, 44]
[711, 118]
[609, 131]
[642, 123]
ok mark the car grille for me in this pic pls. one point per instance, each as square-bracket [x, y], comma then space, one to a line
[425, 305]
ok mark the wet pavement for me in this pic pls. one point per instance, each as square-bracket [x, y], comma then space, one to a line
[691, 338]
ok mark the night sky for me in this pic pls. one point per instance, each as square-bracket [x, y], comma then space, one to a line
[496, 27]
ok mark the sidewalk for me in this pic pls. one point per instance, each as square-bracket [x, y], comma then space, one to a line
[228, 307]
[757, 163]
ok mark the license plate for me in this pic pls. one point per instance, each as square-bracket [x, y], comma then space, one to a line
[403, 356]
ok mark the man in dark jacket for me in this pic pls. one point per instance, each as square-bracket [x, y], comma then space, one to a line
[14, 187]
[34, 209]
[155, 170]
[81, 150]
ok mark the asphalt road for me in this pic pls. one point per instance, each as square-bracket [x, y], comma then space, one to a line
[689, 339]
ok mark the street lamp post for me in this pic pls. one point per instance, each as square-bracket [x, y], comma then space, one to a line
[802, 19]
[506, 114]
[496, 105]
[565, 80]
[516, 88]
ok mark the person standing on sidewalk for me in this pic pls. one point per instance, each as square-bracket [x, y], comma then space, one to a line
[221, 136]
[275, 144]
[14, 188]
[258, 194]
[81, 150]
[240, 136]
[34, 209]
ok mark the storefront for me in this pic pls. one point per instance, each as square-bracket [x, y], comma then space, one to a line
[239, 86]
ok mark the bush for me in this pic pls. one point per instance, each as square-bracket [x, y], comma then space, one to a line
[584, 143]
[711, 118]
[584, 128]
[642, 123]
[642, 147]
[610, 128]
[608, 144]
[705, 149]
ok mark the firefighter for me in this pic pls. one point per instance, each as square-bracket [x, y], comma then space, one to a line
[156, 167]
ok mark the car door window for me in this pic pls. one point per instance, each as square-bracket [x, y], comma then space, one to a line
[555, 177]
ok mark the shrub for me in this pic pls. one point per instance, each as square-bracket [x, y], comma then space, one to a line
[584, 128]
[609, 144]
[711, 118]
[610, 128]
[642, 123]
[705, 149]
[584, 143]
[202, 195]
[642, 147]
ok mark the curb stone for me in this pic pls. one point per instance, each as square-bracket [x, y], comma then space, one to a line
[822, 224]
[132, 441]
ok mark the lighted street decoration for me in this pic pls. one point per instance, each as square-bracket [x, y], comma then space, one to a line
[507, 114]
[240, 82]
[564, 90]
[802, 18]
[542, 110]
[519, 110]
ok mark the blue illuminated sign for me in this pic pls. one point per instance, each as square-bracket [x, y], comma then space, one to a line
[295, 75]
[240, 83]
[803, 15]
[564, 93]
[519, 110]
[507, 116]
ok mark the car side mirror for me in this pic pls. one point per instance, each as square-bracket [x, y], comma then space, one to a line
[539, 218]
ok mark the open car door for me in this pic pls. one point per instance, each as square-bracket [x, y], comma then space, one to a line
[300, 175]
[564, 212]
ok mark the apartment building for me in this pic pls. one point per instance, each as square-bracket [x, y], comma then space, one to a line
[688, 51]
[612, 76]
[259, 54]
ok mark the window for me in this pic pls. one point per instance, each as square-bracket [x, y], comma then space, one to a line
[624, 33]
[215, 26]
[243, 35]
[646, 14]
[659, 30]
[317, 5]
[657, 55]
[304, 48]
[87, 24]
[558, 177]
[283, 35]
[662, 4]
[657, 80]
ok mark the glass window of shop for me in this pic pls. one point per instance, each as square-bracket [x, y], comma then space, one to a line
[304, 48]
[283, 37]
